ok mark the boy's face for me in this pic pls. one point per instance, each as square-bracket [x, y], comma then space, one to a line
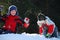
[13, 12]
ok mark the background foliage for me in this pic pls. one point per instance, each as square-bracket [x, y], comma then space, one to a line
[30, 8]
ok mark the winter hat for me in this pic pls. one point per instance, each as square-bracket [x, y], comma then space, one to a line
[12, 7]
[41, 16]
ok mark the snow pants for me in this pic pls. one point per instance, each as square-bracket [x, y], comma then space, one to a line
[55, 33]
[5, 31]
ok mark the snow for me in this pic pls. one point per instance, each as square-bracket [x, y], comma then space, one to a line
[24, 36]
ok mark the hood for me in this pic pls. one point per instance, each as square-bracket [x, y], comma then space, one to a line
[12, 7]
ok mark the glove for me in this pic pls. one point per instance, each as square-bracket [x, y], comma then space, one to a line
[26, 20]
[48, 35]
[26, 25]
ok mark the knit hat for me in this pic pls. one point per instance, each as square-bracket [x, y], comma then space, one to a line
[12, 7]
[41, 16]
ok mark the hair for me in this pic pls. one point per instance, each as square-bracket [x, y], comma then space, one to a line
[41, 16]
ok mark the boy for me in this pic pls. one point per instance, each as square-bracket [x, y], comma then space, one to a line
[46, 26]
[11, 20]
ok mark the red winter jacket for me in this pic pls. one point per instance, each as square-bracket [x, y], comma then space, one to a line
[10, 23]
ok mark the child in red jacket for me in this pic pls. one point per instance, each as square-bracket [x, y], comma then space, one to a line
[12, 19]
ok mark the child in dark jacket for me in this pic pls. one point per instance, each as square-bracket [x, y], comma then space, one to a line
[12, 19]
[46, 26]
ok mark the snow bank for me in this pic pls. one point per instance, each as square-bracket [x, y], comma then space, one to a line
[24, 36]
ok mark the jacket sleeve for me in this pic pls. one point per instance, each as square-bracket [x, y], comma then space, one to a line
[50, 25]
[40, 24]
[41, 30]
[3, 17]
[21, 22]
[50, 29]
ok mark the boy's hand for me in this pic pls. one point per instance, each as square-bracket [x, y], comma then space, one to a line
[26, 20]
[48, 35]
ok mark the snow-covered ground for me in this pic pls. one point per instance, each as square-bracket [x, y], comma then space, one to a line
[24, 36]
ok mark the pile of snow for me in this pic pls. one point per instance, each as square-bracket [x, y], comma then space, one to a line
[24, 36]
